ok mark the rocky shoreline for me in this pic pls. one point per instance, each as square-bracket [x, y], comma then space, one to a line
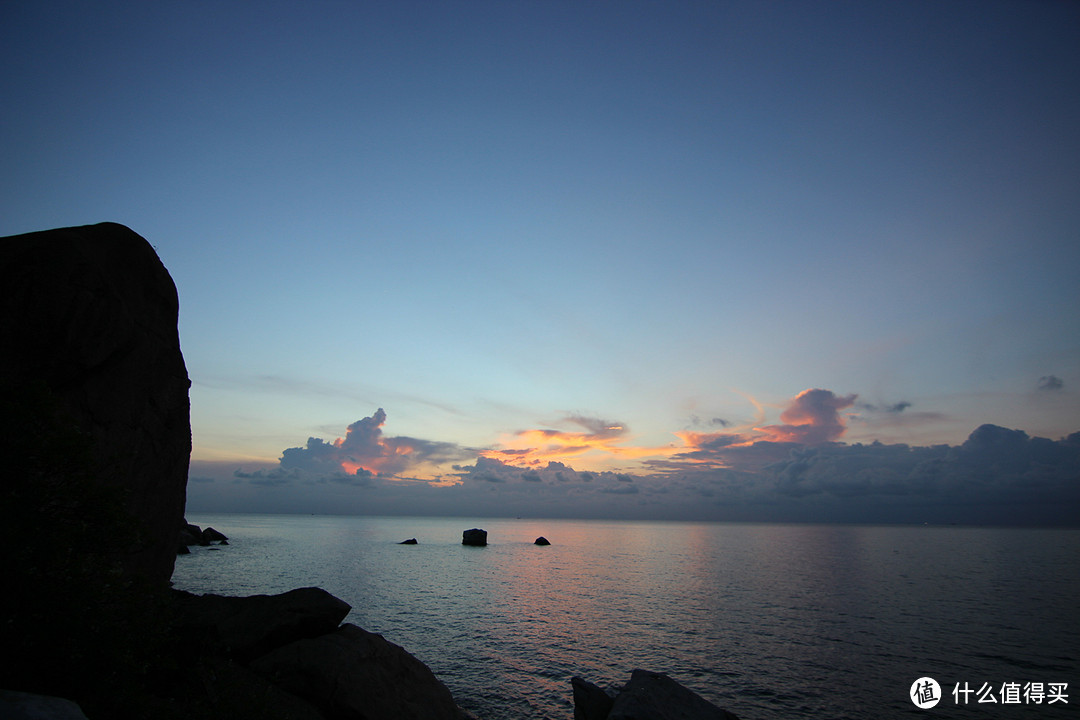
[95, 426]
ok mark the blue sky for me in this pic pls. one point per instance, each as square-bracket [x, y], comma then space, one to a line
[497, 219]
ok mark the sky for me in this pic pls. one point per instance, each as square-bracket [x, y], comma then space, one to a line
[789, 261]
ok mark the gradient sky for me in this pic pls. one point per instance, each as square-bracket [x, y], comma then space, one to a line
[624, 238]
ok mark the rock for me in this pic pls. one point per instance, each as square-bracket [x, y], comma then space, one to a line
[253, 625]
[352, 673]
[237, 692]
[182, 549]
[191, 535]
[210, 535]
[476, 537]
[26, 706]
[542, 541]
[590, 701]
[410, 541]
[89, 323]
[655, 696]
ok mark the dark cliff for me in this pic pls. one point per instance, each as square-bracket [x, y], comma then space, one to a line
[89, 328]
[95, 437]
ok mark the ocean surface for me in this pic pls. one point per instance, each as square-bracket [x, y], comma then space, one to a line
[768, 621]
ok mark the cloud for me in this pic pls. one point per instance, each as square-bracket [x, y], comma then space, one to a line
[813, 417]
[364, 453]
[894, 408]
[1051, 383]
[796, 470]
[997, 472]
[537, 447]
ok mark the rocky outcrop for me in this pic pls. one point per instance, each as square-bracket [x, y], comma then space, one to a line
[191, 534]
[95, 436]
[246, 627]
[352, 673]
[26, 706]
[291, 645]
[475, 537]
[647, 696]
[541, 541]
[89, 327]
[410, 541]
[591, 702]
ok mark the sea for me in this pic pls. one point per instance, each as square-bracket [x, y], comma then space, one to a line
[769, 621]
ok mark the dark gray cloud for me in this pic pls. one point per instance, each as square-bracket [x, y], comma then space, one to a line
[898, 407]
[1050, 383]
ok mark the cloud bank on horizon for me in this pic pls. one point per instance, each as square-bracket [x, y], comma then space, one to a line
[795, 470]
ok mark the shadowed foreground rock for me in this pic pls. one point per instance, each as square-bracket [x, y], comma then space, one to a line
[352, 673]
[89, 324]
[95, 436]
[647, 696]
[290, 647]
[24, 706]
[245, 627]
[590, 701]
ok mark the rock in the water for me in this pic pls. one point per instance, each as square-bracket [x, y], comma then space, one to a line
[655, 696]
[187, 538]
[476, 536]
[89, 323]
[26, 706]
[410, 541]
[590, 701]
[210, 535]
[250, 626]
[351, 673]
[542, 541]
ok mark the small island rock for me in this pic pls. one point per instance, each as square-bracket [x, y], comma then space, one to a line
[476, 537]
[410, 541]
[542, 541]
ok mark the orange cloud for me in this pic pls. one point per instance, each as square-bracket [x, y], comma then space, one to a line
[537, 447]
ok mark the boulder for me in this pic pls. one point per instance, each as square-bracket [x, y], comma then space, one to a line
[542, 541]
[352, 673]
[590, 701]
[246, 627]
[210, 535]
[410, 541]
[476, 537]
[187, 539]
[27, 706]
[655, 696]
[89, 328]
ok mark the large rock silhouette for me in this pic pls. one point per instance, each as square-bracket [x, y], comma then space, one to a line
[647, 696]
[90, 344]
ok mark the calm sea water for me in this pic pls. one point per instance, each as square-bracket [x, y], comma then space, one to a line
[769, 621]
